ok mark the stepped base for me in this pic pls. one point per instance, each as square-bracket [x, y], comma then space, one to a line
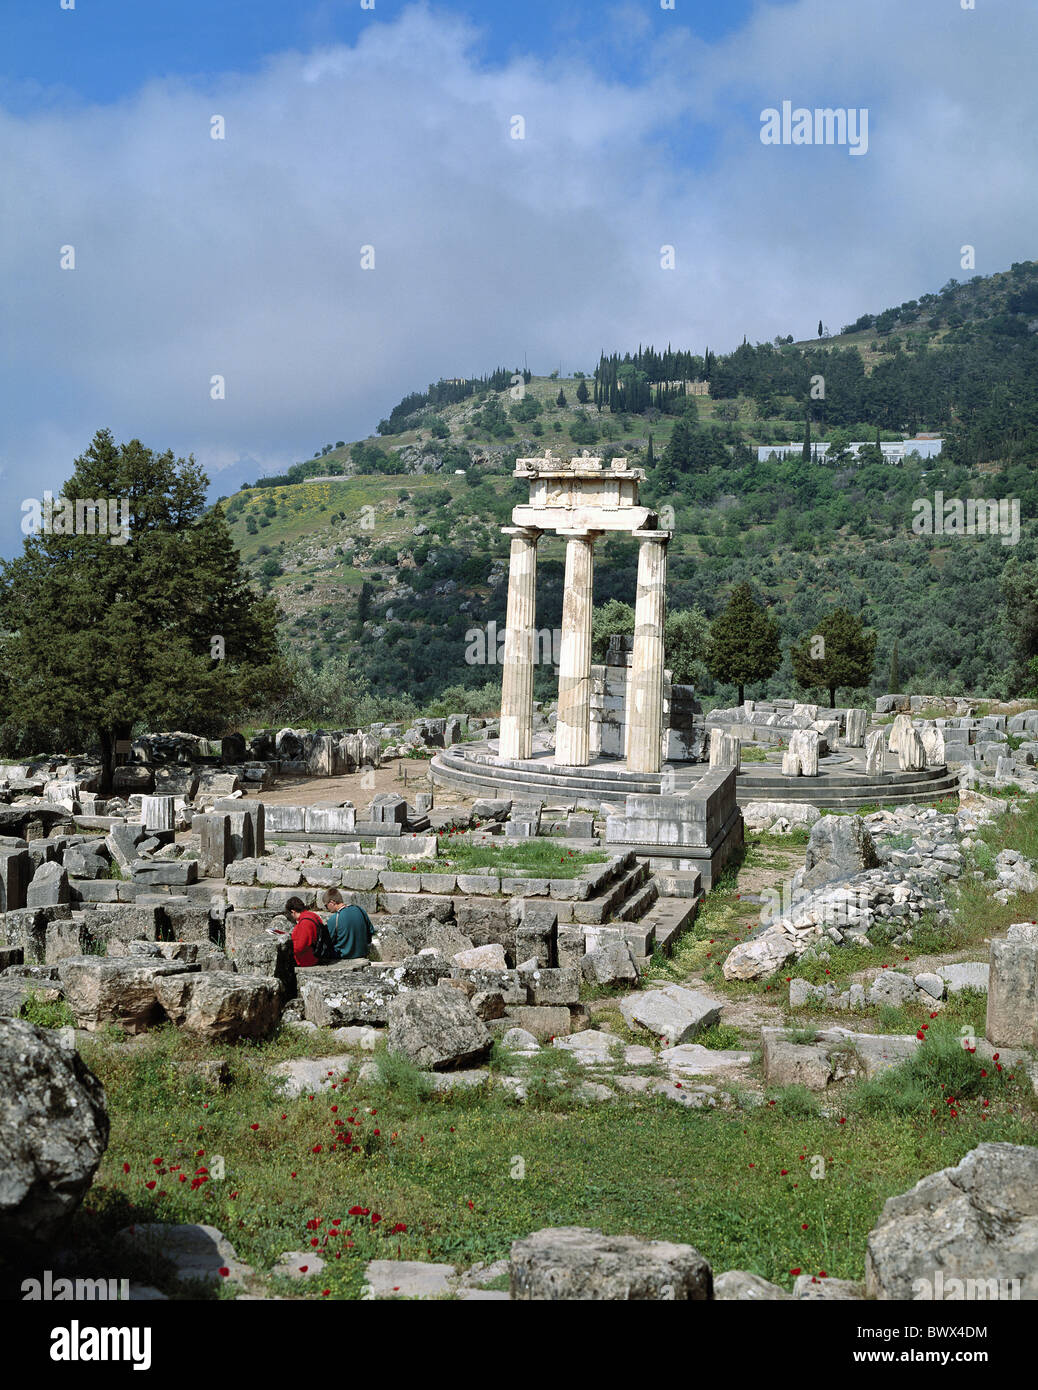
[841, 785]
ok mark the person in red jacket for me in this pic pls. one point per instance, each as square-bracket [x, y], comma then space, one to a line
[304, 931]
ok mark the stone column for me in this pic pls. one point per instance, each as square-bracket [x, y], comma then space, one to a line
[573, 726]
[645, 701]
[517, 678]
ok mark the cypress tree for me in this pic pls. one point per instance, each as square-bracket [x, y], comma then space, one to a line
[895, 675]
[744, 642]
[849, 655]
[805, 452]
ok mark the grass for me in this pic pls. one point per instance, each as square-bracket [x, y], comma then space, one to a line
[722, 1037]
[45, 1014]
[468, 1173]
[534, 858]
[940, 1075]
[752, 753]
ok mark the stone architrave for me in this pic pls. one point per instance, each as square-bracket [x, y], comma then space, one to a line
[911, 756]
[572, 729]
[855, 722]
[516, 738]
[158, 813]
[874, 747]
[645, 708]
[804, 744]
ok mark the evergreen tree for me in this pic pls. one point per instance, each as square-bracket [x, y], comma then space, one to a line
[612, 619]
[895, 675]
[583, 395]
[819, 328]
[805, 452]
[560, 399]
[650, 456]
[686, 641]
[744, 642]
[848, 654]
[100, 636]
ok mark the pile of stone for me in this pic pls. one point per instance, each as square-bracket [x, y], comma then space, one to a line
[865, 878]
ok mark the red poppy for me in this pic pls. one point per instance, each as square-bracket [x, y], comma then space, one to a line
[224, 1271]
[254, 1126]
[126, 1167]
[794, 1272]
[150, 1185]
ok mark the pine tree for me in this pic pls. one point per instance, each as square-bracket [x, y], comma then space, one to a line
[560, 399]
[847, 656]
[99, 636]
[744, 642]
[582, 392]
[895, 675]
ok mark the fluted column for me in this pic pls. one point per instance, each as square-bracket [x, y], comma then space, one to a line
[573, 726]
[520, 637]
[645, 691]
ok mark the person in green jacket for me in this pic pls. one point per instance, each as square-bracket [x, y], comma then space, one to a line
[350, 928]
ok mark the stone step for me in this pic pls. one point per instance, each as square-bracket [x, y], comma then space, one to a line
[638, 904]
[607, 905]
[679, 883]
[669, 918]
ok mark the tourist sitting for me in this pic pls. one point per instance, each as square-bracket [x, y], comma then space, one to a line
[307, 933]
[349, 928]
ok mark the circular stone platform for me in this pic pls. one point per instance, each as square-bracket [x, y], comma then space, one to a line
[841, 784]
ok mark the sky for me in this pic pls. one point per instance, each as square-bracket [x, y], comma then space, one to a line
[393, 127]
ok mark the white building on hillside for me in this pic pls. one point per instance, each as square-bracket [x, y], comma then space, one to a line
[927, 446]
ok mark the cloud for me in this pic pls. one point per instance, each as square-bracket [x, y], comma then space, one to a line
[241, 257]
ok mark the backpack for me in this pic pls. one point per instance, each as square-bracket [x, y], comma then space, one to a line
[323, 948]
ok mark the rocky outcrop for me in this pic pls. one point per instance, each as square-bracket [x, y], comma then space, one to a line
[573, 1263]
[222, 1006]
[966, 1232]
[115, 989]
[437, 1029]
[53, 1131]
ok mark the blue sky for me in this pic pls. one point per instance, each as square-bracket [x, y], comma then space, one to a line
[105, 49]
[240, 258]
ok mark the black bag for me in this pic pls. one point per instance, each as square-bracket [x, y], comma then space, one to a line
[324, 950]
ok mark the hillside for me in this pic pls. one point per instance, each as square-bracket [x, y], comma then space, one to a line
[397, 552]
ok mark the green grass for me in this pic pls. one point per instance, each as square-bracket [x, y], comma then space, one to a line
[941, 1075]
[722, 1037]
[45, 1014]
[752, 753]
[471, 1172]
[538, 858]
